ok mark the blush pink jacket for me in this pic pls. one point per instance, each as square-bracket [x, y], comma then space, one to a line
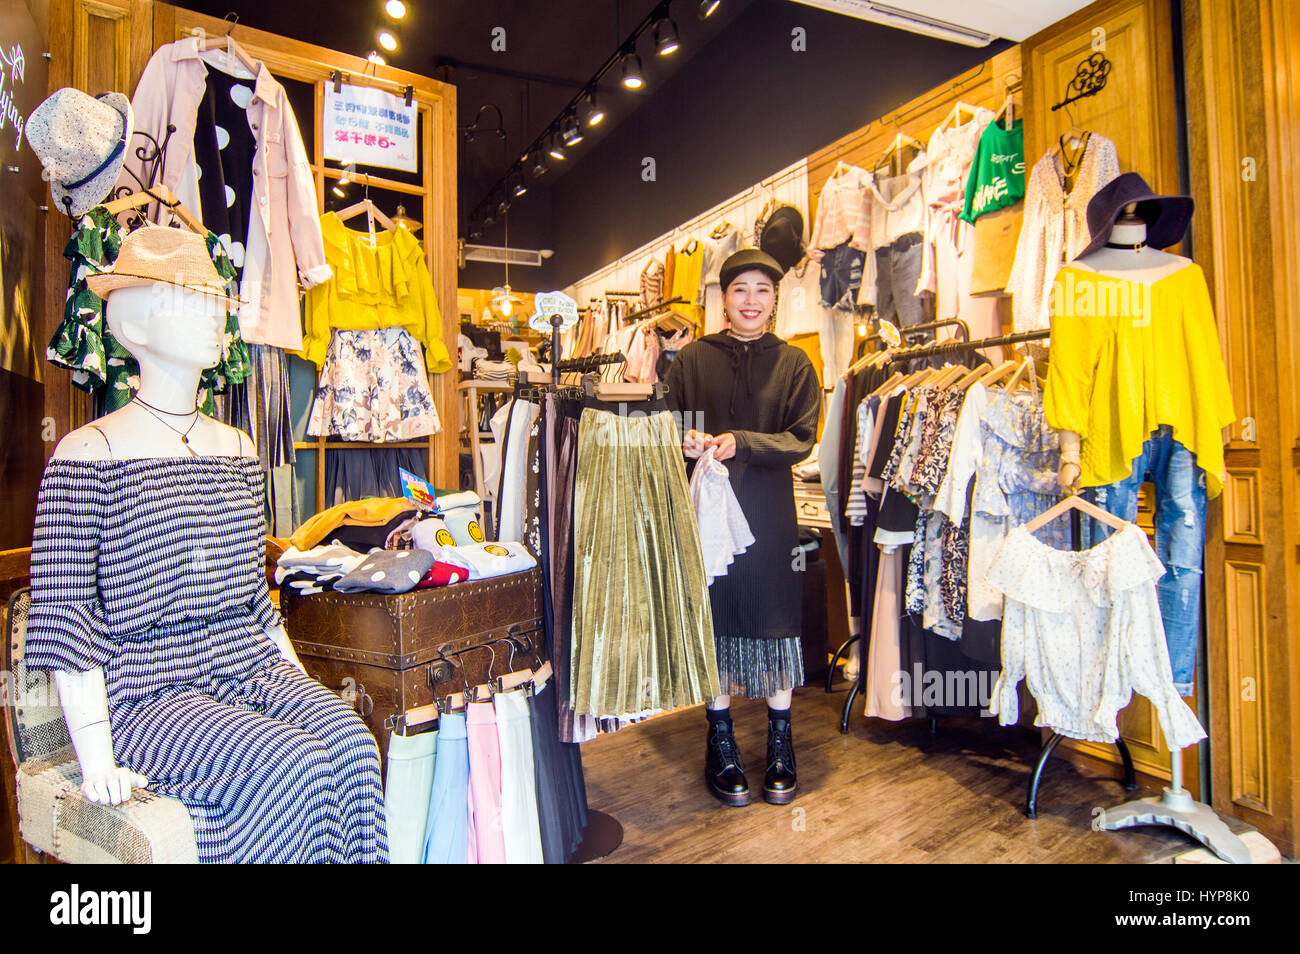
[283, 247]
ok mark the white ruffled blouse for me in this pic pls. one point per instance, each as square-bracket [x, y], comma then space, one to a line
[1084, 630]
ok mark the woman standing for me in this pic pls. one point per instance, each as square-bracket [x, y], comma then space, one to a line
[755, 400]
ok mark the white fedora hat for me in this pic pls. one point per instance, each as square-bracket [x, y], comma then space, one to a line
[81, 141]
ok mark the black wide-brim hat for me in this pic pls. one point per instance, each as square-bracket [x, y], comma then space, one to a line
[782, 236]
[746, 260]
[1166, 216]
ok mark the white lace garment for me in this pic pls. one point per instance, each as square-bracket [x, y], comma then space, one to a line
[1084, 630]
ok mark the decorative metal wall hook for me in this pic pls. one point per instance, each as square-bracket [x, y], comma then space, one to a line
[1089, 79]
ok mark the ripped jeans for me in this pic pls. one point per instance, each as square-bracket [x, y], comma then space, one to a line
[1180, 539]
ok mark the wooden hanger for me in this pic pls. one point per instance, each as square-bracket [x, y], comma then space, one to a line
[372, 212]
[233, 50]
[892, 156]
[997, 373]
[1075, 502]
[953, 375]
[674, 321]
[165, 198]
[1008, 110]
[954, 116]
[966, 380]
[917, 378]
[866, 361]
[888, 386]
[1026, 364]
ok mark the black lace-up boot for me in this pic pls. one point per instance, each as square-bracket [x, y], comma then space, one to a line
[779, 783]
[723, 771]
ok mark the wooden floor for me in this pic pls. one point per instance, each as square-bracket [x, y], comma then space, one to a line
[882, 793]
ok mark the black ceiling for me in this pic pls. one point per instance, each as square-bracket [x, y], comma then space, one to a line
[551, 50]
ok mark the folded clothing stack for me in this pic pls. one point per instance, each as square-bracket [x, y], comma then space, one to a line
[317, 569]
[480, 561]
[387, 571]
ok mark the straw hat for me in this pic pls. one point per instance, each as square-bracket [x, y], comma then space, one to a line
[156, 253]
[81, 141]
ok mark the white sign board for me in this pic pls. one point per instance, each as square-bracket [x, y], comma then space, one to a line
[370, 127]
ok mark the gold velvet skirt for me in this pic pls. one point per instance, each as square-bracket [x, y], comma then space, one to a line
[642, 626]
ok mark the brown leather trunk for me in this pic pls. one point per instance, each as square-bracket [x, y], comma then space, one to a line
[388, 654]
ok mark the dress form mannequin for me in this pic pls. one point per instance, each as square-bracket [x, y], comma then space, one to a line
[174, 334]
[1175, 807]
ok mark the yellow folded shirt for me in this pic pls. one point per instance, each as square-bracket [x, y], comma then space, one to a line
[371, 512]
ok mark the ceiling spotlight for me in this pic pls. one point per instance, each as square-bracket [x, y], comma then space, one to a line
[375, 58]
[539, 164]
[489, 219]
[665, 35]
[475, 234]
[503, 206]
[707, 7]
[396, 9]
[387, 40]
[572, 134]
[557, 150]
[338, 192]
[593, 112]
[520, 186]
[632, 78]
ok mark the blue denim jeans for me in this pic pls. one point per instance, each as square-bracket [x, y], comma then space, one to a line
[841, 277]
[1180, 539]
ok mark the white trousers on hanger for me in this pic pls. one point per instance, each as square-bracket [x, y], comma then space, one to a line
[519, 820]
[836, 338]
[513, 471]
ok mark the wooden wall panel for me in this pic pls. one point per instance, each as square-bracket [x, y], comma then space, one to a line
[1248, 742]
[1243, 98]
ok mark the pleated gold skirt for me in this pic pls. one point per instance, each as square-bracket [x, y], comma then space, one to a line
[642, 625]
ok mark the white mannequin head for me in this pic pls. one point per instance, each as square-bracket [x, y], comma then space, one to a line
[167, 325]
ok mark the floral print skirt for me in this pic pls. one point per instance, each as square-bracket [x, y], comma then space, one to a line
[373, 387]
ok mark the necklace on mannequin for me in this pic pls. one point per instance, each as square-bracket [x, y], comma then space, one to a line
[184, 435]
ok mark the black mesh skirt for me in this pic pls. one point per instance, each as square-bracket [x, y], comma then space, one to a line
[756, 668]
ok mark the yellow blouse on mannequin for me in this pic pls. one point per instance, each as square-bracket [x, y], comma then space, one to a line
[1128, 357]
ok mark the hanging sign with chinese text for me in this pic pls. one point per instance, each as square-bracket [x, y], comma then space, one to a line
[370, 127]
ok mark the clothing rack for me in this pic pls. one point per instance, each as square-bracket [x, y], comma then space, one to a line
[1049, 746]
[653, 308]
[604, 832]
[589, 363]
[952, 347]
[862, 351]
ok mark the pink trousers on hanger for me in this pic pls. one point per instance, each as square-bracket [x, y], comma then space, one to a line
[487, 840]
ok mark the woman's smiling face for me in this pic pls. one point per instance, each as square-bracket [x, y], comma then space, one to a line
[748, 301]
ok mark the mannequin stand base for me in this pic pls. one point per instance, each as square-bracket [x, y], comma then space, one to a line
[602, 838]
[1178, 810]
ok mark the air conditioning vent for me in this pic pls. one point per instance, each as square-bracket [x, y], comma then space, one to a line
[888, 15]
[500, 255]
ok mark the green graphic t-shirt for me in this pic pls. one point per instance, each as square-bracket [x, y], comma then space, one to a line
[997, 176]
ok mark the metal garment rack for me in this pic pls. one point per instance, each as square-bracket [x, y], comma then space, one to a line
[604, 832]
[653, 308]
[902, 356]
